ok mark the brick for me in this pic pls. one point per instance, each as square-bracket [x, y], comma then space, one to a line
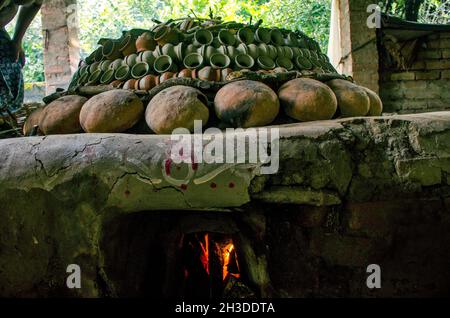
[446, 53]
[444, 35]
[433, 44]
[429, 54]
[438, 64]
[431, 75]
[404, 76]
[414, 85]
[445, 74]
[418, 65]
[445, 44]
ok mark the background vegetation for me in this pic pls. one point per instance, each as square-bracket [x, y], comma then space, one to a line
[107, 18]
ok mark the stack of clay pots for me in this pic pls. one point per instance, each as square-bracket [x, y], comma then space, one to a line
[142, 59]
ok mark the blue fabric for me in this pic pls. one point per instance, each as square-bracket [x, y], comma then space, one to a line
[11, 78]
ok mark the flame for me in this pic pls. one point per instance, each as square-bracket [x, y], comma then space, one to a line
[227, 251]
[204, 257]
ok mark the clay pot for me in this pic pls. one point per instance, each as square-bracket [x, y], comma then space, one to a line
[94, 78]
[104, 65]
[190, 49]
[114, 111]
[285, 63]
[107, 77]
[242, 48]
[84, 70]
[273, 52]
[244, 61]
[157, 52]
[226, 38]
[99, 55]
[91, 58]
[131, 59]
[262, 35]
[180, 51]
[203, 37]
[130, 84]
[291, 40]
[303, 63]
[253, 51]
[224, 74]
[187, 73]
[62, 116]
[164, 63]
[306, 99]
[169, 49]
[140, 70]
[206, 51]
[276, 37]
[148, 82]
[83, 79]
[176, 107]
[165, 76]
[33, 120]
[206, 73]
[266, 63]
[246, 104]
[146, 57]
[219, 61]
[145, 42]
[288, 52]
[165, 34]
[116, 64]
[128, 45]
[245, 35]
[94, 67]
[193, 61]
[123, 73]
[111, 50]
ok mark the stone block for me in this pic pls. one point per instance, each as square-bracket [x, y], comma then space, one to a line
[428, 75]
[403, 76]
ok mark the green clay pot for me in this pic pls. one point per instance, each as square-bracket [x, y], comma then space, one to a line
[245, 35]
[193, 61]
[147, 57]
[169, 49]
[94, 78]
[127, 45]
[203, 37]
[253, 51]
[226, 38]
[219, 61]
[266, 63]
[107, 77]
[164, 63]
[262, 35]
[303, 63]
[244, 61]
[165, 34]
[276, 37]
[116, 64]
[131, 60]
[123, 73]
[285, 63]
[139, 70]
[111, 50]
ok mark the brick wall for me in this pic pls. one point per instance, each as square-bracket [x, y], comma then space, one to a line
[425, 87]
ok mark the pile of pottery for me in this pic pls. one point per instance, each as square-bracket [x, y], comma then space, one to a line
[142, 59]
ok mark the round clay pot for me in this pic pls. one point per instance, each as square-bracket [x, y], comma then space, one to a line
[224, 74]
[99, 55]
[145, 42]
[148, 82]
[146, 57]
[376, 105]
[111, 50]
[164, 63]
[279, 70]
[176, 107]
[114, 111]
[203, 37]
[128, 45]
[291, 40]
[253, 51]
[306, 99]
[288, 52]
[33, 120]
[104, 65]
[116, 64]
[180, 51]
[62, 116]
[187, 73]
[245, 35]
[193, 61]
[285, 63]
[273, 52]
[169, 49]
[140, 70]
[131, 59]
[83, 79]
[303, 63]
[242, 48]
[84, 70]
[246, 104]
[94, 78]
[276, 37]
[190, 49]
[353, 100]
[157, 52]
[94, 67]
[219, 61]
[165, 76]
[244, 61]
[266, 63]
[165, 34]
[123, 73]
[206, 73]
[232, 52]
[130, 84]
[262, 35]
[226, 38]
[107, 77]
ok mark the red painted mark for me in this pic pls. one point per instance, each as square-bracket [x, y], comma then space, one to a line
[231, 185]
[213, 185]
[183, 187]
[194, 166]
[167, 166]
